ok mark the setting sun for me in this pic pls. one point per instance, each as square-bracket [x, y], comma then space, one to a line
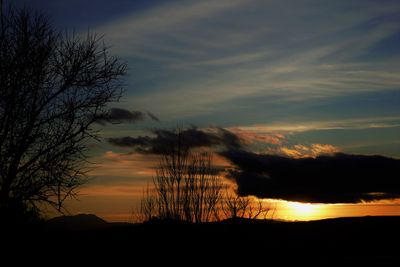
[302, 211]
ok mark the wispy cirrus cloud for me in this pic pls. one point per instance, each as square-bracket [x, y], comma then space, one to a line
[113, 167]
[250, 136]
[344, 124]
[211, 53]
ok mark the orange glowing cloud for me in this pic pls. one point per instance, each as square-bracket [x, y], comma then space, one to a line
[250, 137]
[126, 190]
[311, 151]
[124, 165]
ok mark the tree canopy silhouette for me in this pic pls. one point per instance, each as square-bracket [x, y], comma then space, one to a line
[53, 86]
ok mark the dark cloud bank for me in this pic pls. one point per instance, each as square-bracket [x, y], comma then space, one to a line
[162, 140]
[339, 178]
[119, 115]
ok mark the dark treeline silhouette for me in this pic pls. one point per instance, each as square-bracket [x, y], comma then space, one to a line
[340, 241]
[53, 87]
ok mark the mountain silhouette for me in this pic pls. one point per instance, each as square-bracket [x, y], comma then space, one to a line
[77, 222]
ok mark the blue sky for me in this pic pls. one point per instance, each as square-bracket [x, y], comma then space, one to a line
[316, 71]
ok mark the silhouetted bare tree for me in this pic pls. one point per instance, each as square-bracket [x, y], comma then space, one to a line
[148, 206]
[52, 87]
[186, 186]
[234, 206]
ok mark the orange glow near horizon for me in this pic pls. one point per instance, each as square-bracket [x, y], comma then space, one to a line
[296, 211]
[119, 180]
[119, 207]
[303, 211]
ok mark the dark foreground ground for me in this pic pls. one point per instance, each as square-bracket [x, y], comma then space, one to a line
[342, 241]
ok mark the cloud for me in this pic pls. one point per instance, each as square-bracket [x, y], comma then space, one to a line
[305, 126]
[198, 49]
[315, 173]
[251, 137]
[224, 139]
[308, 151]
[162, 140]
[163, 20]
[128, 141]
[341, 178]
[119, 115]
[121, 168]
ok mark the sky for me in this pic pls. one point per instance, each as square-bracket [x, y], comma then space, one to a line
[295, 78]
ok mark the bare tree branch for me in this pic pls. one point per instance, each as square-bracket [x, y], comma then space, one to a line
[52, 86]
[186, 186]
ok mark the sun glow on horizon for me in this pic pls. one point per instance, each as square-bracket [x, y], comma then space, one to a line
[302, 211]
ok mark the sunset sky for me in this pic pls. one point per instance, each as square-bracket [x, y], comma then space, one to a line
[291, 78]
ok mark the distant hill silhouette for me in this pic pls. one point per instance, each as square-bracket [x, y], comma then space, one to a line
[77, 222]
